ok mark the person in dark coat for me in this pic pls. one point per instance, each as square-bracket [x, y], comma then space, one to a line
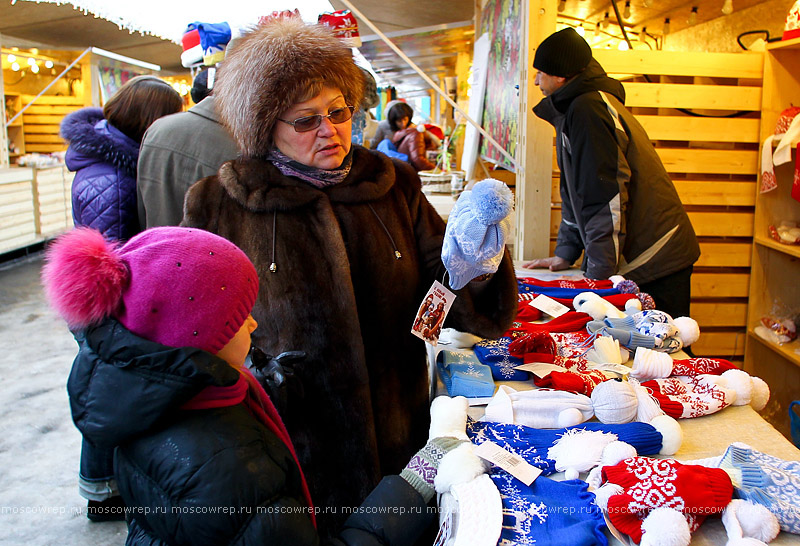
[103, 152]
[104, 149]
[202, 456]
[618, 204]
[346, 246]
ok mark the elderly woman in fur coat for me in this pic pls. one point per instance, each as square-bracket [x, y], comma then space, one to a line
[346, 247]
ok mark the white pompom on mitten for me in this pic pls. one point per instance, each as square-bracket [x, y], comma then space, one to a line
[449, 417]
[688, 330]
[665, 527]
[459, 465]
[671, 434]
[749, 524]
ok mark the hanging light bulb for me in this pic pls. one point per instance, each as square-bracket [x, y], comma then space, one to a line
[562, 5]
[666, 26]
[623, 45]
[626, 13]
[31, 61]
[35, 68]
[11, 57]
[605, 21]
[693, 16]
[643, 35]
[15, 67]
[727, 7]
[48, 64]
[580, 30]
[597, 30]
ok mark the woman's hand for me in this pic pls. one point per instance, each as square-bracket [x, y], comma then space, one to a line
[553, 263]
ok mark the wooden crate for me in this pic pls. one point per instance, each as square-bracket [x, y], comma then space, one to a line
[713, 162]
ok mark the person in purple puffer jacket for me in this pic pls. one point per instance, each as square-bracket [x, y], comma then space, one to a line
[104, 150]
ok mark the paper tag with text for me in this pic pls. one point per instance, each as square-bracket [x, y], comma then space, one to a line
[539, 369]
[432, 312]
[510, 462]
[549, 306]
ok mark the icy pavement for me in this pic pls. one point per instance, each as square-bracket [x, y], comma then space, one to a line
[39, 445]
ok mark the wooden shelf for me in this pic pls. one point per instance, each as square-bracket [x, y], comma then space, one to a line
[790, 250]
[794, 43]
[789, 351]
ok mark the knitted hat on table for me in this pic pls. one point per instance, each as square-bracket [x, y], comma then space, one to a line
[766, 480]
[477, 230]
[563, 53]
[640, 485]
[176, 286]
[542, 408]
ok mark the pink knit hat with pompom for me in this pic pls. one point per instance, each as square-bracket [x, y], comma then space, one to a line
[176, 286]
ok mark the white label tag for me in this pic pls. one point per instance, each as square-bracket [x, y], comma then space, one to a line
[539, 369]
[549, 306]
[508, 461]
[611, 367]
[432, 312]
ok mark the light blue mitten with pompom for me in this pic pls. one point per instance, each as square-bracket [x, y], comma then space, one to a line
[477, 230]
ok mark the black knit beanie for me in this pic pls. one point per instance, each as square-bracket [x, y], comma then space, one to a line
[563, 53]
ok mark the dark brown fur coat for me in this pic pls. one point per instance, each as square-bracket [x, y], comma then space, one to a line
[357, 408]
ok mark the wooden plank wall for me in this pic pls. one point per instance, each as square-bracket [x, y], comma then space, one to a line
[713, 162]
[35, 204]
[42, 120]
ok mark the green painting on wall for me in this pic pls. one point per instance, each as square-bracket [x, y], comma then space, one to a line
[502, 20]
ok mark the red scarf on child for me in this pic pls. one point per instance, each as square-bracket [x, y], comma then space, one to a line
[255, 399]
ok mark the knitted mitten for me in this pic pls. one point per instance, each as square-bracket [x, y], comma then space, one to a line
[421, 469]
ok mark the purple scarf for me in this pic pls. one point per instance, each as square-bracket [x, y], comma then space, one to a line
[319, 178]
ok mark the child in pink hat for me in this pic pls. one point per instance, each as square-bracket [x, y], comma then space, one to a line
[201, 455]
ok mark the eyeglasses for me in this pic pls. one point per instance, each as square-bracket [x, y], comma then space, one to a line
[309, 123]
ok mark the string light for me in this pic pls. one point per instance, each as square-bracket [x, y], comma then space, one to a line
[605, 21]
[693, 16]
[48, 64]
[623, 45]
[666, 26]
[12, 57]
[15, 67]
[727, 7]
[597, 30]
[626, 13]
[580, 30]
[35, 68]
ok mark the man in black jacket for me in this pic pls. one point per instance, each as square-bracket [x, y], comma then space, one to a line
[619, 206]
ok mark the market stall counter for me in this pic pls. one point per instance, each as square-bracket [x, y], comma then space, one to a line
[704, 437]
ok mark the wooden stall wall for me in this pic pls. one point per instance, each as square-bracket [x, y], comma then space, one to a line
[42, 119]
[702, 112]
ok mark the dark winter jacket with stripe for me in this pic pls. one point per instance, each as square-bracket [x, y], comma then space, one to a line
[104, 161]
[618, 204]
[207, 476]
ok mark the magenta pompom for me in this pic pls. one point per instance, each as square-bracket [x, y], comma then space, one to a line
[83, 277]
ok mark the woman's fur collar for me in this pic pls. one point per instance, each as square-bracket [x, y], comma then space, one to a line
[258, 185]
[111, 146]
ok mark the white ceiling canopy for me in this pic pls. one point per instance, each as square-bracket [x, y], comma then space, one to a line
[168, 20]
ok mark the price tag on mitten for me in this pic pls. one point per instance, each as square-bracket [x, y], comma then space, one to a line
[508, 461]
[432, 312]
[549, 306]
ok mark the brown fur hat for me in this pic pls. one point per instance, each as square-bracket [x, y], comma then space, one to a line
[277, 65]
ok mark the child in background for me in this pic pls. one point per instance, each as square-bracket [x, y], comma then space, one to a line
[163, 323]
